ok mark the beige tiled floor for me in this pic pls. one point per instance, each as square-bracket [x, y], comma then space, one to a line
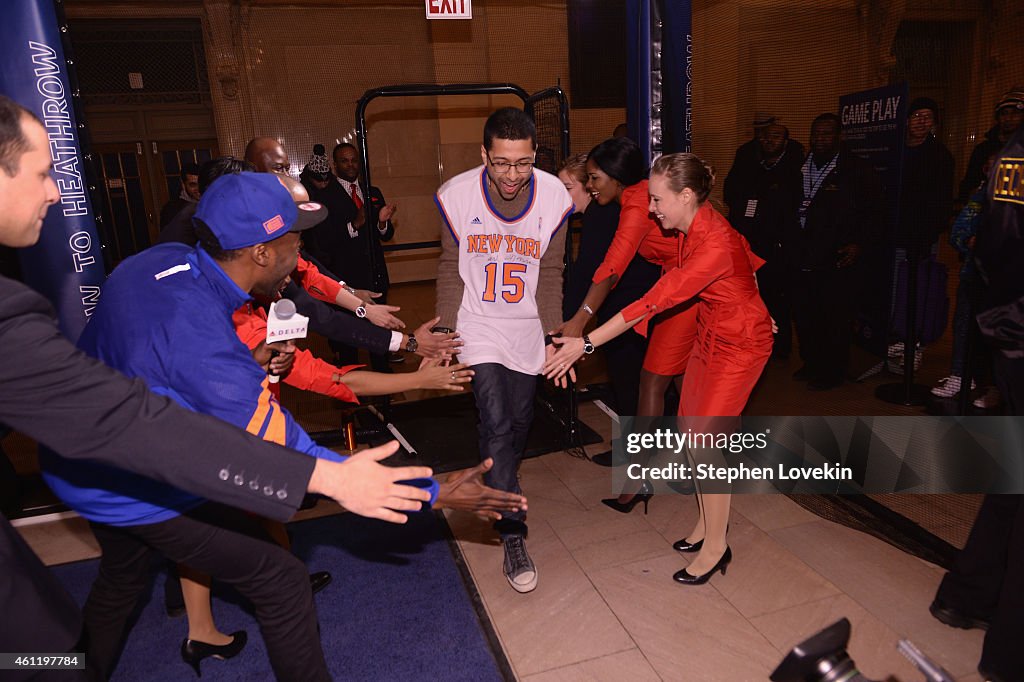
[606, 607]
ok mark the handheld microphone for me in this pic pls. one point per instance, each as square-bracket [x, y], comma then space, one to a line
[283, 323]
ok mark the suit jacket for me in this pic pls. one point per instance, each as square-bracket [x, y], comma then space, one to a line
[848, 208]
[360, 260]
[67, 401]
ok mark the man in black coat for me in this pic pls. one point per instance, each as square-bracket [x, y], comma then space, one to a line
[840, 217]
[1009, 115]
[349, 241]
[763, 194]
[985, 588]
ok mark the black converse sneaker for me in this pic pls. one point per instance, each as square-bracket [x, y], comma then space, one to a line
[519, 568]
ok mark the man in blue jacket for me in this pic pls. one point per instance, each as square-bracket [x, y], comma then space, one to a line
[166, 318]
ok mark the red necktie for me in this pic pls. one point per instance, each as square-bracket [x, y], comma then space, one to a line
[355, 198]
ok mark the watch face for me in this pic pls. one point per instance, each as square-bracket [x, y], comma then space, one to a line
[360, 311]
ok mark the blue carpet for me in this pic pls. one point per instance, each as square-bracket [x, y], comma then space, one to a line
[396, 610]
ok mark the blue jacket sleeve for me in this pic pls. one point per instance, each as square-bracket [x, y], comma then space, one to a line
[218, 376]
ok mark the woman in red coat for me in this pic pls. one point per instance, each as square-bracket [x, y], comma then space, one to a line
[734, 330]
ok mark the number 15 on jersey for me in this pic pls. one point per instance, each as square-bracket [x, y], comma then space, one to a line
[513, 282]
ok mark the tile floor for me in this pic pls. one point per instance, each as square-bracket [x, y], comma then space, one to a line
[606, 607]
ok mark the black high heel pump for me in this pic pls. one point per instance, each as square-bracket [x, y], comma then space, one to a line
[683, 576]
[644, 495]
[193, 652]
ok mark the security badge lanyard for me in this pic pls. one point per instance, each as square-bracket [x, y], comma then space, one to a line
[812, 183]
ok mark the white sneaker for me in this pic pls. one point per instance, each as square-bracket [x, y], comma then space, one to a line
[519, 568]
[989, 400]
[950, 386]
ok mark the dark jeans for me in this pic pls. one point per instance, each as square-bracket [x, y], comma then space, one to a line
[504, 399]
[823, 313]
[226, 544]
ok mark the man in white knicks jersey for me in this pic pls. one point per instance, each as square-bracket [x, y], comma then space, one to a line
[499, 282]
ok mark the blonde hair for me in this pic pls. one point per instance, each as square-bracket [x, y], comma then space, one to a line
[686, 170]
[576, 166]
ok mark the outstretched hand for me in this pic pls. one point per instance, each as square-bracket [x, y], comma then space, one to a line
[383, 316]
[434, 374]
[436, 346]
[365, 487]
[466, 491]
[563, 352]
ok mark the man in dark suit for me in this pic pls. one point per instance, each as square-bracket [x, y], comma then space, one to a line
[840, 218]
[349, 241]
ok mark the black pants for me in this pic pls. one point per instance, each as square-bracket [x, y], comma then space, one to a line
[823, 313]
[226, 544]
[624, 356]
[987, 580]
[774, 289]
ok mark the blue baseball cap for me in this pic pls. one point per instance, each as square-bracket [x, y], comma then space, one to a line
[244, 209]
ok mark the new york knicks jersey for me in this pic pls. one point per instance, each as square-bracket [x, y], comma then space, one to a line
[499, 262]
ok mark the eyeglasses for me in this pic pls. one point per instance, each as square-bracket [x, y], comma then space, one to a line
[502, 167]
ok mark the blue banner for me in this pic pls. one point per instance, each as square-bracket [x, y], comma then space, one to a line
[676, 69]
[638, 73]
[66, 265]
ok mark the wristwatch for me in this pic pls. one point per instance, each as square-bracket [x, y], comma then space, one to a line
[360, 311]
[412, 344]
[588, 347]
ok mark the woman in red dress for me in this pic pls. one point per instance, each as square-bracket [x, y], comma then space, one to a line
[615, 173]
[733, 329]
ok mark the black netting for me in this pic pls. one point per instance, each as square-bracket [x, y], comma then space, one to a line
[133, 63]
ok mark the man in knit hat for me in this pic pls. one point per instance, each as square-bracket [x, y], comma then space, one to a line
[1008, 114]
[317, 173]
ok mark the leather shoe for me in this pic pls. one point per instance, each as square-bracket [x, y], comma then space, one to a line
[319, 580]
[954, 618]
[607, 459]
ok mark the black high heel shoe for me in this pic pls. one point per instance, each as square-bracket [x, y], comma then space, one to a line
[684, 546]
[644, 495]
[193, 652]
[683, 576]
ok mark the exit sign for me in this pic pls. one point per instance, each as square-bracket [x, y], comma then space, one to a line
[449, 9]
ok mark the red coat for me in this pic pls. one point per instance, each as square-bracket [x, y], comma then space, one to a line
[672, 338]
[734, 330]
[308, 372]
